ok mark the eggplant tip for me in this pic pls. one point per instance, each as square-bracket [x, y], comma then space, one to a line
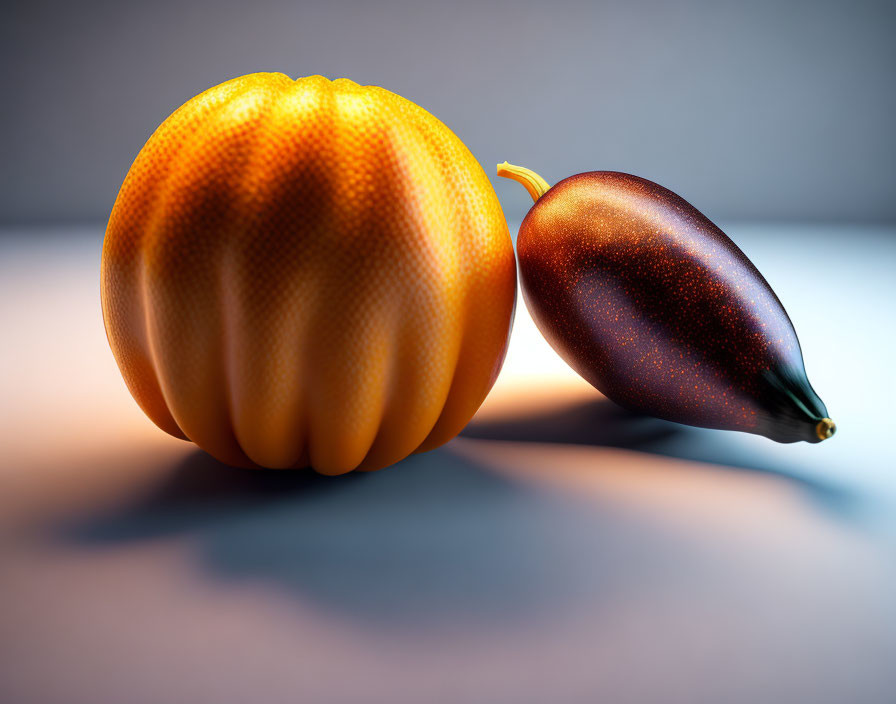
[825, 428]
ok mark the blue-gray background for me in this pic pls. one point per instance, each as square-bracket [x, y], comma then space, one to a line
[563, 550]
[761, 110]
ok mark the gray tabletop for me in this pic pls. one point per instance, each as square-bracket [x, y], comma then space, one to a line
[560, 550]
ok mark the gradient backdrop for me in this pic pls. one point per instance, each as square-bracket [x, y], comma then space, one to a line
[559, 550]
[752, 110]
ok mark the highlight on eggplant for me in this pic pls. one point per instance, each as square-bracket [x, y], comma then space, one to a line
[656, 307]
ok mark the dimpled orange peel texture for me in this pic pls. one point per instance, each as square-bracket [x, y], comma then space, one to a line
[307, 273]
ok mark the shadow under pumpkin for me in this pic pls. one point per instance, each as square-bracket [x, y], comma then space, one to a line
[438, 538]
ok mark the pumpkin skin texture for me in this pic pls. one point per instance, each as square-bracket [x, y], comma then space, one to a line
[307, 273]
[657, 308]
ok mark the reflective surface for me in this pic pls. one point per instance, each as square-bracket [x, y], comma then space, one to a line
[560, 550]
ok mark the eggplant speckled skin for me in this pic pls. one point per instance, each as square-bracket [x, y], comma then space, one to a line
[655, 306]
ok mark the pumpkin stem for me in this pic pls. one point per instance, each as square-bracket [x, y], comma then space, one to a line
[533, 183]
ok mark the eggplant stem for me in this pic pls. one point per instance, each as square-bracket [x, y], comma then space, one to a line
[533, 183]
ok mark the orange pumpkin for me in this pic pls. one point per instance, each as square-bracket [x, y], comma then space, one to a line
[307, 273]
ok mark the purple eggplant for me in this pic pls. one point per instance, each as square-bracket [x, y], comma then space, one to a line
[657, 308]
